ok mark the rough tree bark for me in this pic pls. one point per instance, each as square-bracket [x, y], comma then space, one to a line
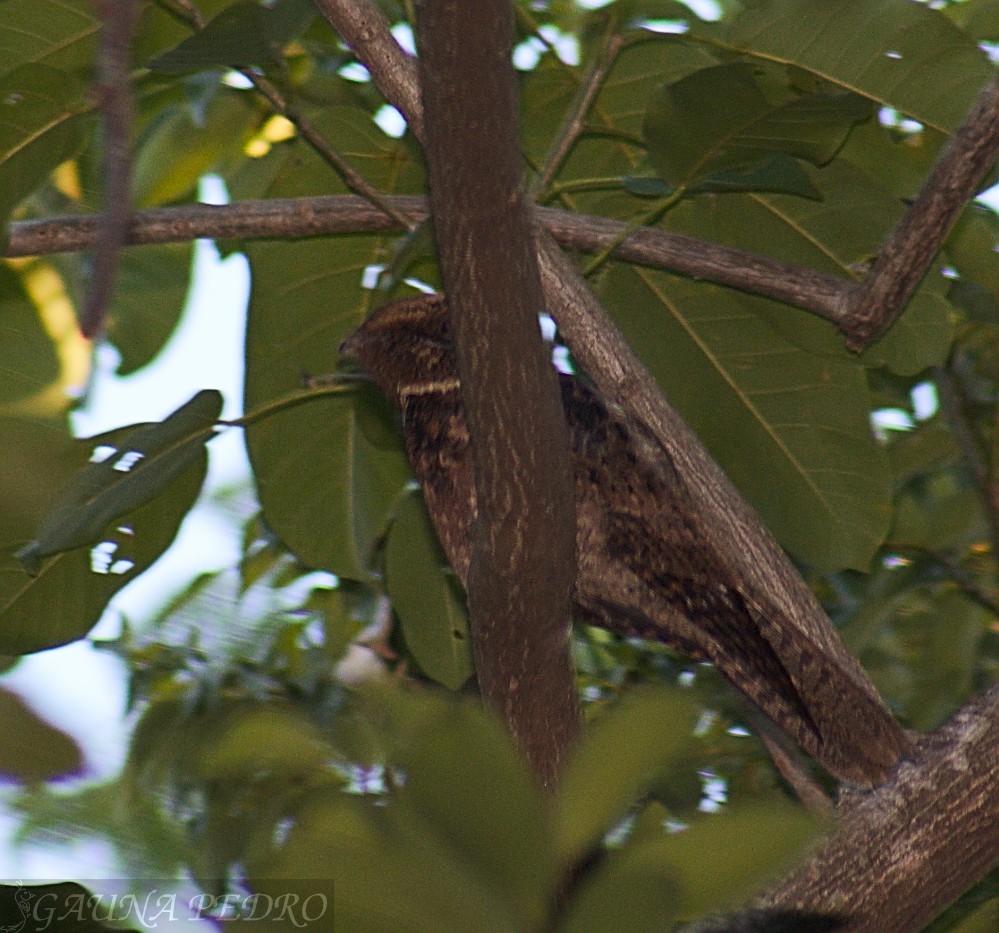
[523, 552]
[938, 817]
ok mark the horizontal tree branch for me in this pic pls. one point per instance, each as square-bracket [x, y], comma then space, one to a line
[293, 218]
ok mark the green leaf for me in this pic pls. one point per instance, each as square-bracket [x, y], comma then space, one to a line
[327, 472]
[634, 889]
[146, 460]
[390, 870]
[28, 358]
[615, 761]
[67, 597]
[839, 235]
[777, 174]
[723, 858]
[790, 428]
[896, 53]
[150, 291]
[720, 120]
[183, 143]
[58, 33]
[432, 613]
[40, 126]
[254, 739]
[243, 34]
[465, 778]
[31, 749]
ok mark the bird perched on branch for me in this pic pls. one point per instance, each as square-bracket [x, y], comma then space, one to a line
[643, 569]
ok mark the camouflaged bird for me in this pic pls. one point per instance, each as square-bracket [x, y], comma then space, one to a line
[643, 569]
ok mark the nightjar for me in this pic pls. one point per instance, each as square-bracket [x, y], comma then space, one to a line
[643, 569]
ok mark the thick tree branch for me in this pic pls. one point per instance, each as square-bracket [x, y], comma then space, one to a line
[292, 218]
[909, 249]
[523, 557]
[902, 853]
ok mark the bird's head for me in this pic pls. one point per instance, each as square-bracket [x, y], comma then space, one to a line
[406, 347]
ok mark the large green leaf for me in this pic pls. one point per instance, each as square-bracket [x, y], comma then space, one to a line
[465, 777]
[430, 609]
[790, 428]
[59, 33]
[149, 297]
[838, 235]
[28, 359]
[614, 762]
[897, 53]
[721, 119]
[246, 33]
[40, 126]
[329, 471]
[64, 601]
[123, 476]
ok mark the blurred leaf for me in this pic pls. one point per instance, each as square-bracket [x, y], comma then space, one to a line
[254, 739]
[898, 54]
[146, 460]
[432, 613]
[245, 33]
[635, 888]
[720, 120]
[723, 858]
[390, 870]
[40, 126]
[149, 297]
[466, 779]
[28, 358]
[972, 246]
[67, 598]
[614, 762]
[184, 142]
[32, 749]
[58, 33]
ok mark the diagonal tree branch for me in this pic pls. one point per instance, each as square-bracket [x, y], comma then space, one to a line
[938, 819]
[907, 252]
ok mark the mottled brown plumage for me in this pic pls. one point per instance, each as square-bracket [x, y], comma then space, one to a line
[643, 569]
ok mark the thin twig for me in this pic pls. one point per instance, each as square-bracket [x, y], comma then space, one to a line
[118, 19]
[193, 17]
[953, 404]
[575, 121]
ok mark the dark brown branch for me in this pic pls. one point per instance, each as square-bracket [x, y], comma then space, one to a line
[306, 217]
[362, 26]
[909, 249]
[118, 19]
[902, 853]
[744, 548]
[522, 569]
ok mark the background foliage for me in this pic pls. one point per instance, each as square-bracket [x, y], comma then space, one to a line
[794, 128]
